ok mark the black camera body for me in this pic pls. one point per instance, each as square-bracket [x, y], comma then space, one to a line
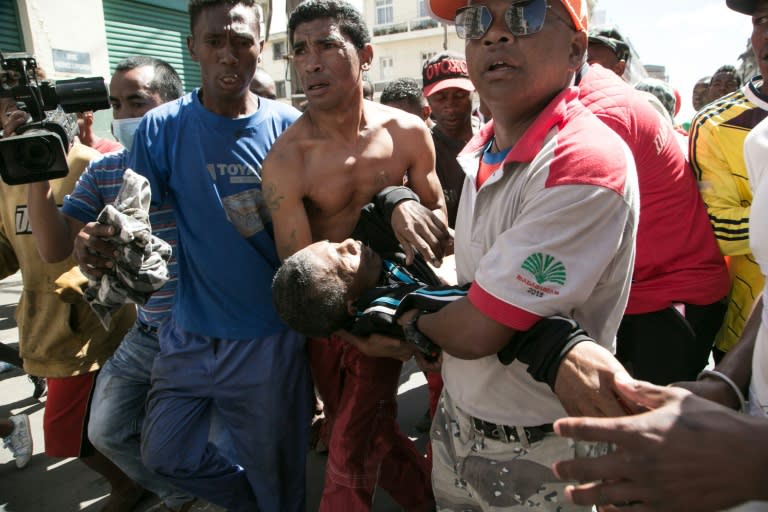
[38, 149]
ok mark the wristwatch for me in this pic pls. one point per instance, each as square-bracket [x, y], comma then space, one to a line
[413, 335]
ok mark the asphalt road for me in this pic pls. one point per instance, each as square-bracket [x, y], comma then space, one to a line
[66, 485]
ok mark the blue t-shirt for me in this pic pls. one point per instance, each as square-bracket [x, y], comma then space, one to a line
[209, 166]
[97, 187]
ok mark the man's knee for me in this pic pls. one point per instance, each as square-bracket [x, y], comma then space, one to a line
[108, 428]
[100, 435]
[161, 462]
[159, 457]
[169, 456]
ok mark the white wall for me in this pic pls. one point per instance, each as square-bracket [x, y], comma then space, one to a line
[76, 26]
[65, 25]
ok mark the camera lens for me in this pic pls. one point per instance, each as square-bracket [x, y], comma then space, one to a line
[36, 155]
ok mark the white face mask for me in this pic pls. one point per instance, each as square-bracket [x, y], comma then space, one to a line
[124, 130]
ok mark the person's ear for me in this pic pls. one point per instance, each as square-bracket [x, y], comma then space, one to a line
[366, 56]
[191, 47]
[620, 67]
[351, 307]
[578, 48]
[426, 111]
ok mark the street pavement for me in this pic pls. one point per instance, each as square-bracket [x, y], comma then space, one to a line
[66, 485]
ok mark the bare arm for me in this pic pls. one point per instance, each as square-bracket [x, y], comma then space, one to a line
[463, 331]
[283, 196]
[422, 177]
[54, 232]
[585, 374]
[737, 364]
[665, 458]
[422, 228]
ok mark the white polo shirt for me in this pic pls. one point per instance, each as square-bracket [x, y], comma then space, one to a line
[551, 232]
[756, 158]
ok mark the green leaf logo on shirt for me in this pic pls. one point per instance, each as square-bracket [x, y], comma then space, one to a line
[545, 268]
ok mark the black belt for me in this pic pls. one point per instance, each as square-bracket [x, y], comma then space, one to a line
[151, 330]
[510, 434]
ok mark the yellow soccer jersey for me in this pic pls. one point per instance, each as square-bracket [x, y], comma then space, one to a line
[716, 144]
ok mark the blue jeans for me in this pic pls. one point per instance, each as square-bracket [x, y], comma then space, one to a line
[118, 410]
[261, 390]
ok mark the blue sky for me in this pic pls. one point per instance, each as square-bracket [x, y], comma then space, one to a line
[692, 38]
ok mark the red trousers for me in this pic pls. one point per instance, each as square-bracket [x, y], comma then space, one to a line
[366, 446]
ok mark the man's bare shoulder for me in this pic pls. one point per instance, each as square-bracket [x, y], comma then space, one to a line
[393, 117]
[298, 132]
[406, 130]
[286, 155]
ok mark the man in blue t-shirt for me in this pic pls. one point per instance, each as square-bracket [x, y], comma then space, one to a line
[138, 84]
[223, 350]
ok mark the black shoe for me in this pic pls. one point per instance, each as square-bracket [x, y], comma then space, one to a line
[41, 386]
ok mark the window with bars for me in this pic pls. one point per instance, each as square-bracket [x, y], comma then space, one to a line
[278, 50]
[385, 12]
[280, 88]
[422, 9]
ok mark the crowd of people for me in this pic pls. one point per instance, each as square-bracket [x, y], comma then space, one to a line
[561, 258]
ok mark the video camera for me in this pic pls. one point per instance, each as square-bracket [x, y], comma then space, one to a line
[38, 149]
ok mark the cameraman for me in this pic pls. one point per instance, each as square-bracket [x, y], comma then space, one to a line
[63, 342]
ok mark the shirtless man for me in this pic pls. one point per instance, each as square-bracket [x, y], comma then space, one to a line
[317, 177]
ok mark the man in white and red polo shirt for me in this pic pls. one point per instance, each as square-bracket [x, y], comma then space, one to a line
[546, 226]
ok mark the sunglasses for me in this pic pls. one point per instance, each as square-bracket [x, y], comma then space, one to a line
[522, 19]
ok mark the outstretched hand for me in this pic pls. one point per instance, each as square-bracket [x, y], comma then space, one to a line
[418, 229]
[672, 457]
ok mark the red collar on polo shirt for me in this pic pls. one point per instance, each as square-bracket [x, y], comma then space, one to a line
[531, 142]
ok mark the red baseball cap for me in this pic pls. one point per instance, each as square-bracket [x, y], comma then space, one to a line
[445, 10]
[444, 70]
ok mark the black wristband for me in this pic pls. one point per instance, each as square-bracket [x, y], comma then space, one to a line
[425, 345]
[388, 198]
[544, 346]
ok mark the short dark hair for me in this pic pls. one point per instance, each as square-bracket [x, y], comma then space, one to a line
[729, 69]
[351, 22]
[195, 7]
[403, 89]
[308, 299]
[368, 89]
[166, 81]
